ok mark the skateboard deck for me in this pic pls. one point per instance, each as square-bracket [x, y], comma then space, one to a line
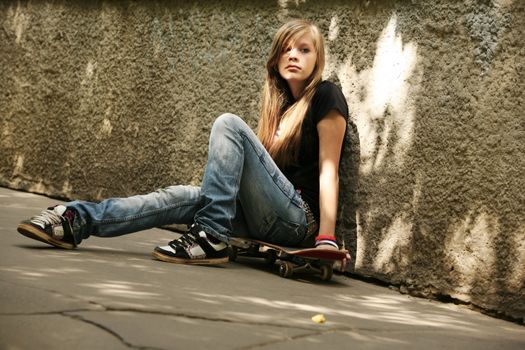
[291, 259]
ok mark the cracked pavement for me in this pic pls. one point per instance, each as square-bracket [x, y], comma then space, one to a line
[110, 294]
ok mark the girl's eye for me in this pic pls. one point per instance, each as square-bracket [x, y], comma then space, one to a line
[305, 50]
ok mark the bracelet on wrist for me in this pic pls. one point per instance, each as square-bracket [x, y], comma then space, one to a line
[326, 240]
[321, 237]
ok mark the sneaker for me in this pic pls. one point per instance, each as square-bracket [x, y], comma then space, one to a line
[194, 247]
[52, 226]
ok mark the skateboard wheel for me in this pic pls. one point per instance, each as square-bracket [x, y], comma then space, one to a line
[326, 272]
[285, 269]
[232, 253]
[270, 257]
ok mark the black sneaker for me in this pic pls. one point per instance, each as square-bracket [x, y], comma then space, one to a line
[52, 226]
[194, 247]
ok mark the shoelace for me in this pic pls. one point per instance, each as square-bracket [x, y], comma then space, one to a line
[47, 217]
[184, 241]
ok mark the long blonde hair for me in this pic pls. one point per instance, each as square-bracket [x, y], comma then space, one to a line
[274, 109]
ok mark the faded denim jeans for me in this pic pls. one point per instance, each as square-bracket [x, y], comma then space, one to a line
[243, 193]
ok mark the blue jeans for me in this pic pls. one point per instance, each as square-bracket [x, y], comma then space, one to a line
[243, 193]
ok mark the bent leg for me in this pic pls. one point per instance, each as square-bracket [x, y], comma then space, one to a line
[239, 167]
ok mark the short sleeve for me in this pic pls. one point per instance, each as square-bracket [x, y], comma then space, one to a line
[328, 97]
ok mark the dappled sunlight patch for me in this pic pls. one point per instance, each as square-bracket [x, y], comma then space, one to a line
[376, 299]
[393, 246]
[381, 99]
[469, 247]
[21, 21]
[208, 301]
[26, 275]
[517, 275]
[392, 251]
[265, 302]
[19, 165]
[39, 273]
[52, 252]
[67, 188]
[123, 289]
[333, 30]
[140, 267]
[361, 241]
[61, 270]
[84, 260]
[99, 247]
[39, 187]
[370, 338]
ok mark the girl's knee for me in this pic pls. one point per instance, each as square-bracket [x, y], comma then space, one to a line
[227, 119]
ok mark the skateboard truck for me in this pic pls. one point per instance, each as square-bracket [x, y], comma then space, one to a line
[287, 269]
[291, 260]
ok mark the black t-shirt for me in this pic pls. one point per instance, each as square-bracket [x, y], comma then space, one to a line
[305, 174]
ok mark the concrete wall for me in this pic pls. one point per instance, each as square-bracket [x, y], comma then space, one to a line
[114, 98]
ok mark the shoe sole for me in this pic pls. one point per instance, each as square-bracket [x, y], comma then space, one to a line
[170, 259]
[34, 233]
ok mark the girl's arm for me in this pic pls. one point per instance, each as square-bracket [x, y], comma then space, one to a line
[331, 130]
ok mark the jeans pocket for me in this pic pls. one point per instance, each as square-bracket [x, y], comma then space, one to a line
[277, 230]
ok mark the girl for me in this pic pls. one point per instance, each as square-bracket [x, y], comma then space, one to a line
[280, 186]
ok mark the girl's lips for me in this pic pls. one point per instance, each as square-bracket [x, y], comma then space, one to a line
[292, 67]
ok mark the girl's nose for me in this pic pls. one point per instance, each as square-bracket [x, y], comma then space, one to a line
[292, 54]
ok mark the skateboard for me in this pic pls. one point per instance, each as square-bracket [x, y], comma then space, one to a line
[290, 259]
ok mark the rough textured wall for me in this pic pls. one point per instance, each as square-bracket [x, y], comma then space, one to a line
[114, 98]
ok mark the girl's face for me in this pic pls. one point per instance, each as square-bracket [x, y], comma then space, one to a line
[297, 61]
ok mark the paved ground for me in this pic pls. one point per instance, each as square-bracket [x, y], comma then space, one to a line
[110, 294]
